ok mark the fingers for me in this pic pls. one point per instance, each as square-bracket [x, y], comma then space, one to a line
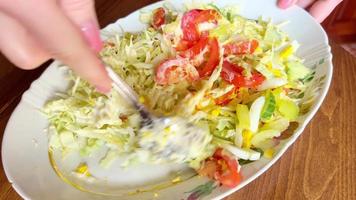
[18, 46]
[284, 4]
[319, 10]
[322, 8]
[305, 3]
[82, 13]
[61, 38]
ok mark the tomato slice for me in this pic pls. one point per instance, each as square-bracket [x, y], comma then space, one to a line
[194, 54]
[175, 70]
[232, 73]
[255, 80]
[229, 175]
[209, 15]
[246, 47]
[188, 25]
[229, 179]
[191, 21]
[196, 49]
[223, 168]
[183, 45]
[158, 19]
[226, 98]
[208, 168]
[213, 60]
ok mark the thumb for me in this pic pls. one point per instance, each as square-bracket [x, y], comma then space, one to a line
[321, 9]
[284, 4]
[82, 13]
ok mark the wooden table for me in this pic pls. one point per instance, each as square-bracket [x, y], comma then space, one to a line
[320, 165]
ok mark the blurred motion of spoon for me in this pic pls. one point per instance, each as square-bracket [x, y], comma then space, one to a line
[182, 141]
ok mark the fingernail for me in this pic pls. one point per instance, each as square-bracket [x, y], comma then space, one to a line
[92, 35]
[103, 89]
[284, 3]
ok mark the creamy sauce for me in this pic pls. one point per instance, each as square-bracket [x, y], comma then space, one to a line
[173, 140]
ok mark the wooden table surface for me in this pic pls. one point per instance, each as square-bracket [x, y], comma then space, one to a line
[320, 165]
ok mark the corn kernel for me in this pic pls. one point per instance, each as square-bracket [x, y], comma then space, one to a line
[198, 107]
[167, 129]
[269, 153]
[141, 99]
[285, 53]
[258, 50]
[246, 136]
[276, 72]
[215, 112]
[176, 180]
[288, 86]
[269, 65]
[155, 194]
[83, 169]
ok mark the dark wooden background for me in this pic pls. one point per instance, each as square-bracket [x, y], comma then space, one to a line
[320, 165]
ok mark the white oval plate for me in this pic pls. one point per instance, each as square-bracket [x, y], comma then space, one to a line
[24, 146]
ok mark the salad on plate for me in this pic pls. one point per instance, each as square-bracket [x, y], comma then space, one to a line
[237, 79]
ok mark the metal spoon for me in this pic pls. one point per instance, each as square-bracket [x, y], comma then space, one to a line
[130, 95]
[166, 138]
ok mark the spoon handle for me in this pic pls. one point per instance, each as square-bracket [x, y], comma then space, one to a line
[127, 92]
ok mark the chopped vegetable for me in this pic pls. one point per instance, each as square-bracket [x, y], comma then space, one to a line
[243, 116]
[191, 21]
[175, 70]
[213, 60]
[269, 107]
[241, 153]
[158, 18]
[296, 71]
[233, 74]
[237, 79]
[269, 153]
[223, 168]
[263, 135]
[280, 124]
[288, 109]
[272, 83]
[226, 98]
[240, 48]
[255, 113]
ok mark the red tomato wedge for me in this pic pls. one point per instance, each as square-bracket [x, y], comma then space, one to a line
[191, 21]
[158, 20]
[223, 168]
[175, 70]
[240, 48]
[230, 177]
[226, 98]
[194, 54]
[196, 49]
[255, 80]
[190, 31]
[209, 15]
[232, 73]
[183, 45]
[213, 59]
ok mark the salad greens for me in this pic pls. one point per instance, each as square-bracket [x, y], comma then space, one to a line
[238, 79]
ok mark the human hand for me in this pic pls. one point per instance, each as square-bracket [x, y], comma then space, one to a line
[319, 9]
[33, 31]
